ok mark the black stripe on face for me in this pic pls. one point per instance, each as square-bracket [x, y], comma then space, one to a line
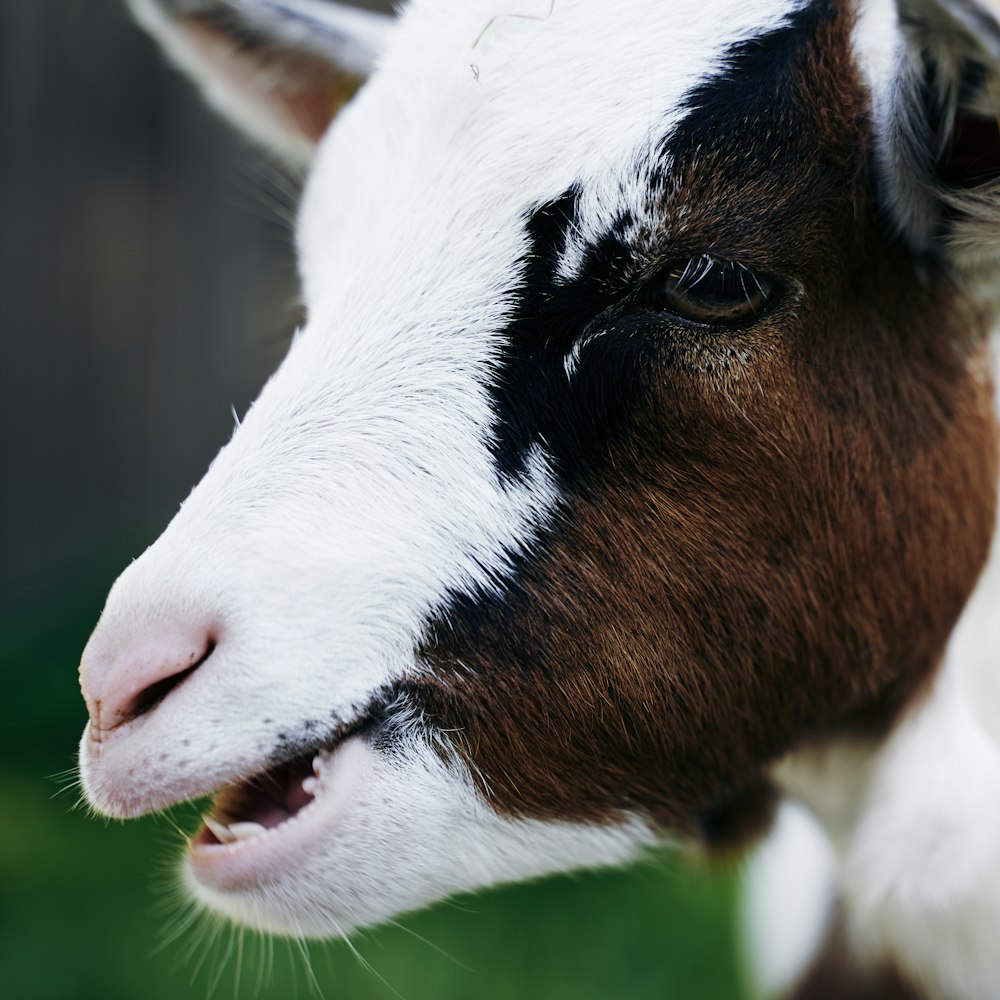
[750, 119]
[536, 401]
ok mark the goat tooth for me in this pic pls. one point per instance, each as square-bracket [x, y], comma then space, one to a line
[321, 760]
[310, 786]
[222, 832]
[245, 831]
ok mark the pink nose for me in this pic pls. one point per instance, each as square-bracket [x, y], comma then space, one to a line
[125, 683]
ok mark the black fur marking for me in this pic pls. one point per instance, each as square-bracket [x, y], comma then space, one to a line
[536, 401]
[575, 419]
[749, 110]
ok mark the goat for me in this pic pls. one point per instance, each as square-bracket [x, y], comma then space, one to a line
[634, 475]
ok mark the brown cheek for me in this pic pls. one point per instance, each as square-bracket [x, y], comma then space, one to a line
[790, 562]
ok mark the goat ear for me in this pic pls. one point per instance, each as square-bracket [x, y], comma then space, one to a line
[280, 71]
[940, 129]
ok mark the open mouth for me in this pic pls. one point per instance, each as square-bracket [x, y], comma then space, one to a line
[274, 820]
[266, 801]
[278, 796]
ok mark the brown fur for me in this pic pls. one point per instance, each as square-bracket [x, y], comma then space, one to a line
[785, 539]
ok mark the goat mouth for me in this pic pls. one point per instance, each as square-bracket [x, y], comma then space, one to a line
[272, 819]
[265, 801]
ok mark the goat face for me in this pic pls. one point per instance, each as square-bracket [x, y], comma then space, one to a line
[640, 431]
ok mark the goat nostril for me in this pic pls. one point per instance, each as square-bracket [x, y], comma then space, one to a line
[149, 697]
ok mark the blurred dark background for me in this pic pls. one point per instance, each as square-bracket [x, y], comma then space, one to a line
[148, 288]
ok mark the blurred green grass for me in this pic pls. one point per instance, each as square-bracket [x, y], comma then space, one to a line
[85, 906]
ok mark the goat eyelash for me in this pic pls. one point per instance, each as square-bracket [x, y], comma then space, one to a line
[713, 291]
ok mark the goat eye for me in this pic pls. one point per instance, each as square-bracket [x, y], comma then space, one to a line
[718, 292]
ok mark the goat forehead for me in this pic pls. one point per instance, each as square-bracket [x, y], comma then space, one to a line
[481, 111]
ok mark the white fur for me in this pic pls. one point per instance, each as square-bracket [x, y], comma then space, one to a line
[789, 894]
[917, 841]
[915, 829]
[917, 852]
[921, 877]
[917, 836]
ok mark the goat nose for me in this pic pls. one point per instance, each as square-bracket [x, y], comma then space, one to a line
[128, 680]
